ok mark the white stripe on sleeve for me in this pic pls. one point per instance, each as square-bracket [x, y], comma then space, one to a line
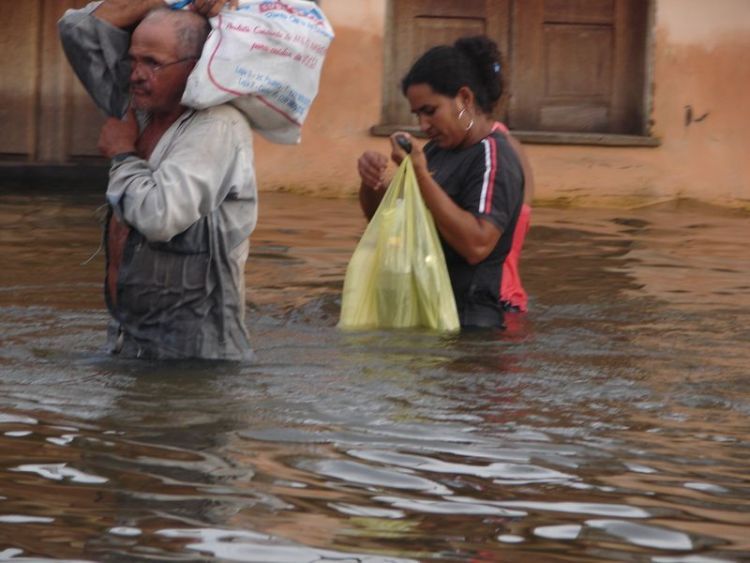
[487, 172]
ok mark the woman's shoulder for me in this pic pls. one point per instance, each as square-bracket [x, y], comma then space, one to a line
[502, 144]
[494, 148]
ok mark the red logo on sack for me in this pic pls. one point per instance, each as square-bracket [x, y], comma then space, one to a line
[307, 13]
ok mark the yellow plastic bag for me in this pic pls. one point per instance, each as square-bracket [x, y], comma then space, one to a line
[397, 277]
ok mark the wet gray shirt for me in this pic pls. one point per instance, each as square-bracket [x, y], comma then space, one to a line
[179, 290]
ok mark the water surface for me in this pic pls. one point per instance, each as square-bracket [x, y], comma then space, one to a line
[608, 424]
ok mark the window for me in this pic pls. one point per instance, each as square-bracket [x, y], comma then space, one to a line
[571, 66]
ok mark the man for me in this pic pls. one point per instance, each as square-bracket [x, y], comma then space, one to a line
[182, 191]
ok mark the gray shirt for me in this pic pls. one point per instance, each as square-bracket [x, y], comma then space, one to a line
[179, 288]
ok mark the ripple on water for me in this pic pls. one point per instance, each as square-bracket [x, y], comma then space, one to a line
[610, 422]
[59, 472]
[234, 545]
[644, 535]
[507, 473]
[351, 472]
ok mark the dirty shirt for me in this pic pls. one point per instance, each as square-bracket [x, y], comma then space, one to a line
[179, 222]
[485, 179]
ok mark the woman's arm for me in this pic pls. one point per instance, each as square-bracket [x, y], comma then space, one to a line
[472, 237]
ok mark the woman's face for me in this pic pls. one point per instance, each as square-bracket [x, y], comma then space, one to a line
[438, 115]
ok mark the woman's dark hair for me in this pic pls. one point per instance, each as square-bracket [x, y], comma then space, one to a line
[471, 61]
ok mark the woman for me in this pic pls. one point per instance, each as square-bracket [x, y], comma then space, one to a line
[469, 175]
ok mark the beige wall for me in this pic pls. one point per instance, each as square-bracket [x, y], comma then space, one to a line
[699, 59]
[337, 128]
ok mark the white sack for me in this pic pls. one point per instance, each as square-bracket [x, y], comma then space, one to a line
[265, 58]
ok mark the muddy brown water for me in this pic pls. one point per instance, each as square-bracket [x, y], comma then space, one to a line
[611, 423]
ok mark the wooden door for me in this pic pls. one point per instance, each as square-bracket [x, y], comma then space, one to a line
[19, 53]
[45, 115]
[578, 65]
[417, 25]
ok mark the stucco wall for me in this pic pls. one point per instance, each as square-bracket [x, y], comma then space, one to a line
[337, 128]
[699, 59]
[697, 56]
[702, 61]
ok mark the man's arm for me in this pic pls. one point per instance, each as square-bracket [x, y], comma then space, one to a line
[191, 181]
[96, 40]
[97, 50]
[125, 13]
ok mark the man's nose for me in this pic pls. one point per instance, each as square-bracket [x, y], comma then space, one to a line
[137, 74]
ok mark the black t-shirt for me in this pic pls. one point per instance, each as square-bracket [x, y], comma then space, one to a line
[485, 179]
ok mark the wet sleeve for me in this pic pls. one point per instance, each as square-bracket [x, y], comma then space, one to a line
[493, 186]
[98, 51]
[191, 181]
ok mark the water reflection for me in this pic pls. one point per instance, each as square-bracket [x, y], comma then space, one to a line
[608, 424]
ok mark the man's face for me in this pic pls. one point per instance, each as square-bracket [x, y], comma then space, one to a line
[158, 74]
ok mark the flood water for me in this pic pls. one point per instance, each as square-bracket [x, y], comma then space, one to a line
[611, 423]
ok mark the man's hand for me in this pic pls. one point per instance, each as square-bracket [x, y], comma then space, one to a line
[118, 135]
[211, 8]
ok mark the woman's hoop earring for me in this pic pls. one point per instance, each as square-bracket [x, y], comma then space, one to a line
[471, 123]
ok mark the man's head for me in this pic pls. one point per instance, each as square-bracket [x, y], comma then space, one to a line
[163, 50]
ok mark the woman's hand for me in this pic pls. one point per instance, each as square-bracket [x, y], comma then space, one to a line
[371, 167]
[398, 154]
[211, 8]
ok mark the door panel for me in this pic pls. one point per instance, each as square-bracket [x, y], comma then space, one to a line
[579, 11]
[431, 31]
[417, 25]
[579, 62]
[583, 117]
[578, 65]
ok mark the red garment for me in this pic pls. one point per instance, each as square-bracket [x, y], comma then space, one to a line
[498, 126]
[511, 290]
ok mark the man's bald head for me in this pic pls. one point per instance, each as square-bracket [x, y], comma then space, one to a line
[189, 29]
